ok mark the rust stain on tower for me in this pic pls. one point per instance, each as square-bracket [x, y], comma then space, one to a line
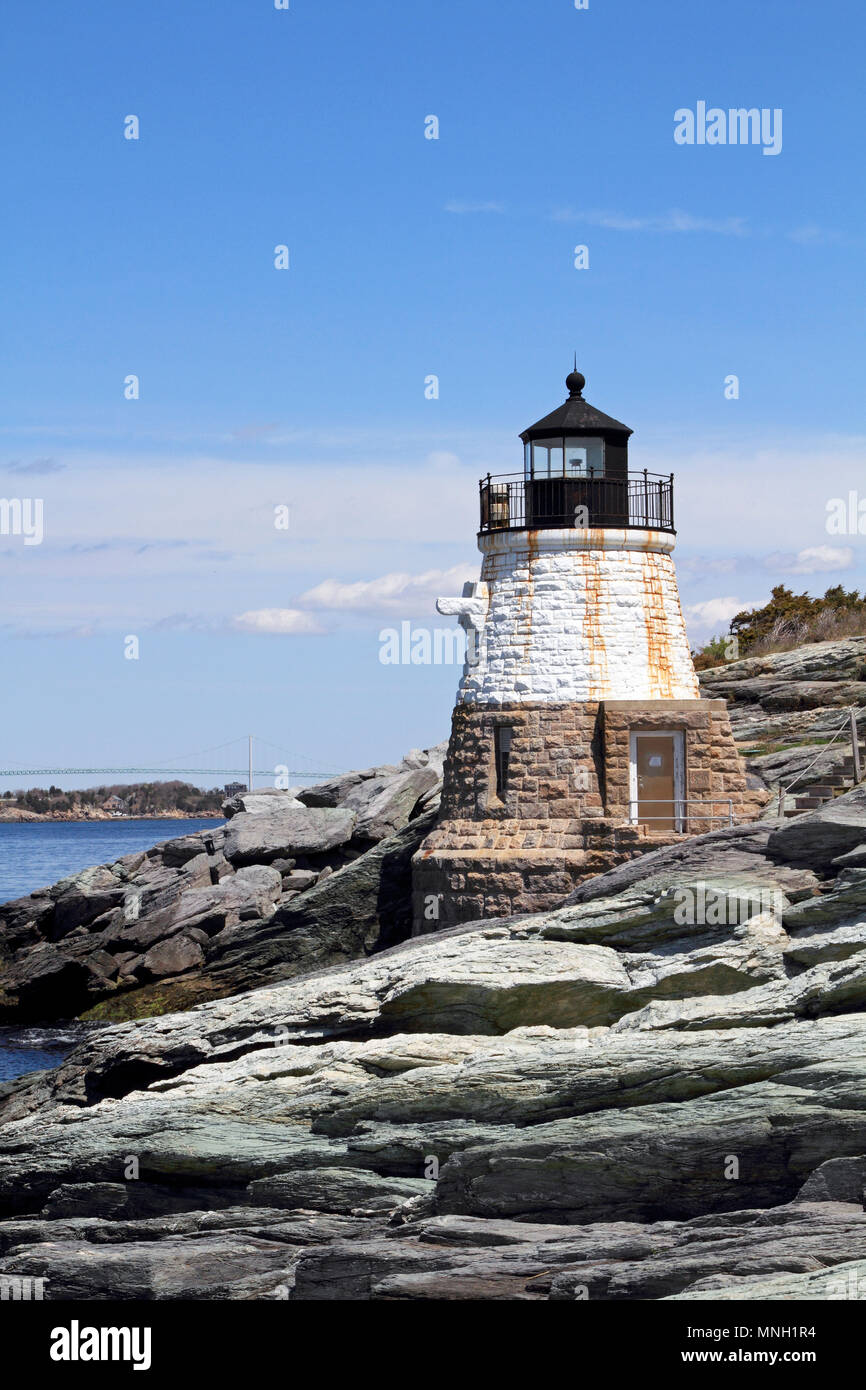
[593, 622]
[657, 633]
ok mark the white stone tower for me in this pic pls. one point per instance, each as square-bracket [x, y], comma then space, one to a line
[579, 737]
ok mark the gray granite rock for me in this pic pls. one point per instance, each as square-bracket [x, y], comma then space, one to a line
[384, 805]
[844, 1281]
[819, 837]
[333, 793]
[256, 839]
[262, 801]
[190, 1267]
[172, 957]
[654, 1091]
[100, 943]
[341, 1190]
[837, 1180]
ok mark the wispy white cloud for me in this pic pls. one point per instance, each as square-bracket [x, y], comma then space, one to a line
[442, 460]
[713, 612]
[698, 566]
[814, 559]
[283, 622]
[37, 466]
[810, 234]
[184, 622]
[246, 433]
[392, 593]
[60, 634]
[132, 537]
[673, 221]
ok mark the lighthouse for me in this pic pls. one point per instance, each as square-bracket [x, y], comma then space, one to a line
[579, 737]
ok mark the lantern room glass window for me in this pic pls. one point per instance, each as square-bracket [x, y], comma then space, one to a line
[547, 458]
[564, 458]
[584, 458]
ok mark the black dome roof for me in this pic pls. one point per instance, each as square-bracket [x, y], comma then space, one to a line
[576, 416]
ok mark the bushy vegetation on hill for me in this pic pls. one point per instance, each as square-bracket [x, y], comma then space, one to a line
[139, 798]
[788, 620]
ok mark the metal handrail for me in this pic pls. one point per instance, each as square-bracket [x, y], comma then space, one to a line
[633, 500]
[599, 475]
[679, 801]
[850, 722]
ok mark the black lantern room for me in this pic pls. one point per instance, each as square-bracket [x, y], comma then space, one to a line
[575, 473]
[576, 440]
[574, 445]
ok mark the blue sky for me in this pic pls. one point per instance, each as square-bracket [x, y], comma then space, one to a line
[408, 257]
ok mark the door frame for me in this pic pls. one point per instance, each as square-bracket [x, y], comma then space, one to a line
[679, 774]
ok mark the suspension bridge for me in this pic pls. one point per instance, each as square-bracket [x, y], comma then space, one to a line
[288, 765]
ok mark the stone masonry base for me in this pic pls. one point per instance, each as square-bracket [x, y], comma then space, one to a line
[509, 868]
[564, 813]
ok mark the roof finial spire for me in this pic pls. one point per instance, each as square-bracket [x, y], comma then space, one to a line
[575, 381]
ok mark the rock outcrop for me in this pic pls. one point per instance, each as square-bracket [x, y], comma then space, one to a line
[653, 1091]
[784, 708]
[293, 880]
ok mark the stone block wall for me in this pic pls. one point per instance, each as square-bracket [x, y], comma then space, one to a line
[555, 763]
[505, 869]
[714, 771]
[564, 816]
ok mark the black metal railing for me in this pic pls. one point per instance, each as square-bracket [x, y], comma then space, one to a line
[512, 502]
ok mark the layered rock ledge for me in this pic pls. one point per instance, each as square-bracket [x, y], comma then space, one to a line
[293, 879]
[654, 1091]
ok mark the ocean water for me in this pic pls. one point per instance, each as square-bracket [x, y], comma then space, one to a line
[37, 854]
[24, 1049]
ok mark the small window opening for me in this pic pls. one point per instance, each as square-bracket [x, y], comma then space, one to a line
[501, 756]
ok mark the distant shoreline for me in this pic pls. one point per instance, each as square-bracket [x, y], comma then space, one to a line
[34, 817]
